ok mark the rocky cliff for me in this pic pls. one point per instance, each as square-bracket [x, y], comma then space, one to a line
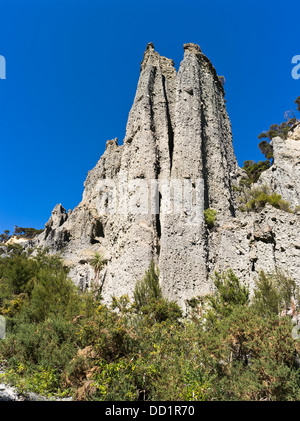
[283, 177]
[144, 199]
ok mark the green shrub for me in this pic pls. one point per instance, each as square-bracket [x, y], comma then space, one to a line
[54, 293]
[297, 209]
[255, 199]
[274, 293]
[254, 358]
[210, 217]
[60, 341]
[229, 293]
[47, 344]
[162, 310]
[148, 299]
[18, 274]
[148, 288]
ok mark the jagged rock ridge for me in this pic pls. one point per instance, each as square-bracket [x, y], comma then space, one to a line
[178, 130]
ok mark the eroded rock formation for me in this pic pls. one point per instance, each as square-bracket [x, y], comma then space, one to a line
[178, 131]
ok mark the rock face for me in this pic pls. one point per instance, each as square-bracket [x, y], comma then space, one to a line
[144, 199]
[284, 175]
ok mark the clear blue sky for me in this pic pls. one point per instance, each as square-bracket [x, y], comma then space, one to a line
[72, 71]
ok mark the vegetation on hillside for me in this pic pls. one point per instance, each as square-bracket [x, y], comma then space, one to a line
[280, 130]
[20, 232]
[254, 169]
[256, 198]
[61, 341]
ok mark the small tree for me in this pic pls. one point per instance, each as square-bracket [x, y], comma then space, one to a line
[256, 199]
[266, 149]
[148, 288]
[97, 262]
[275, 293]
[229, 293]
[5, 236]
[26, 232]
[278, 130]
[149, 301]
[254, 169]
[266, 297]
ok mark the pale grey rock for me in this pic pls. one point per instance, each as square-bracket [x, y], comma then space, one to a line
[284, 175]
[202, 149]
[10, 393]
[178, 131]
[252, 242]
[294, 133]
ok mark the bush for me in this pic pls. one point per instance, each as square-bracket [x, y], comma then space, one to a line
[148, 288]
[60, 341]
[253, 358]
[48, 344]
[17, 274]
[249, 351]
[229, 293]
[255, 199]
[39, 303]
[148, 299]
[275, 293]
[210, 217]
[162, 310]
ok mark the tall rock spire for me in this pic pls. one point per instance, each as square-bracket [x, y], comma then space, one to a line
[178, 131]
[203, 139]
[150, 127]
